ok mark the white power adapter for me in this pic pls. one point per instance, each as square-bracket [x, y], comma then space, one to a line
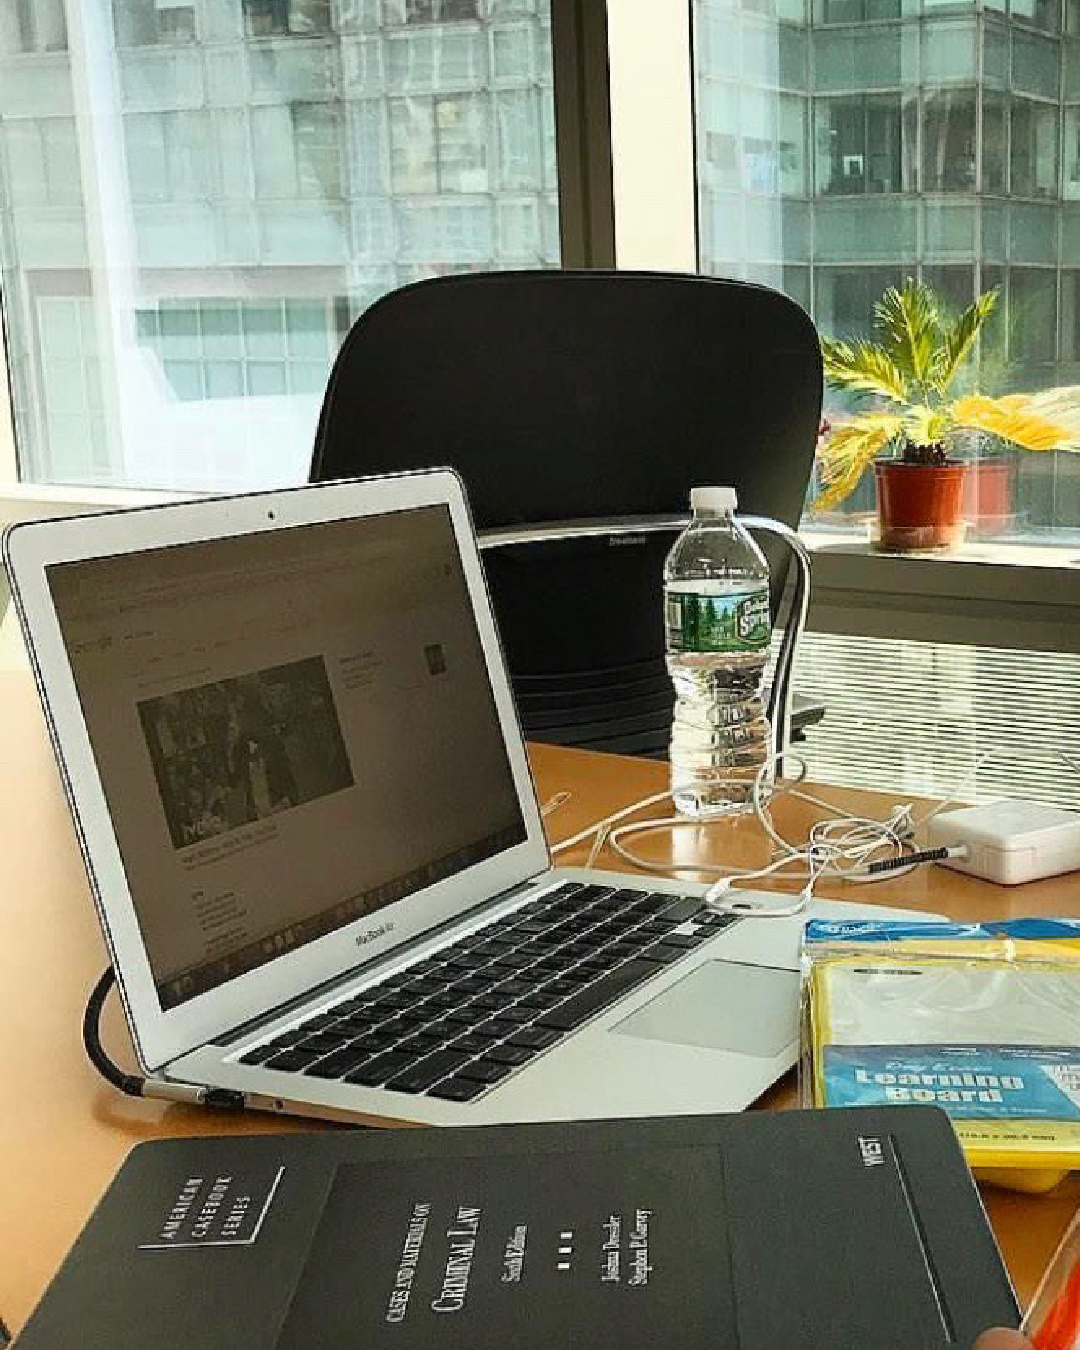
[1009, 841]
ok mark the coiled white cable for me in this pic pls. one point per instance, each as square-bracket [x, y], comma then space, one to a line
[842, 846]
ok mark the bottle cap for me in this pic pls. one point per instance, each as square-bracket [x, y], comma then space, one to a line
[713, 499]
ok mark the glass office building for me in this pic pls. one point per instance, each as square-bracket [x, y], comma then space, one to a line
[198, 196]
[846, 144]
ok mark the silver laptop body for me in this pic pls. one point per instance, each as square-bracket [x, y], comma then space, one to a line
[288, 741]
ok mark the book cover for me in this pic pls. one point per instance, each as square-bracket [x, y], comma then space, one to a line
[857, 1229]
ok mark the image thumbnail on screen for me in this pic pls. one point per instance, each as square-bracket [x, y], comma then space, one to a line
[234, 751]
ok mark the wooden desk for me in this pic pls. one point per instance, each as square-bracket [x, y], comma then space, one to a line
[63, 1132]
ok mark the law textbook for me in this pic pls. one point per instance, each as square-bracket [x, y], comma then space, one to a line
[859, 1230]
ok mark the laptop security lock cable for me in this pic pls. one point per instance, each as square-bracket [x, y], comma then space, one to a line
[136, 1085]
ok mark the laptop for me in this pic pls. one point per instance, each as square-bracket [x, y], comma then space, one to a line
[287, 738]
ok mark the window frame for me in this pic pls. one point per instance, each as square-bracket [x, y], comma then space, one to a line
[628, 197]
[583, 168]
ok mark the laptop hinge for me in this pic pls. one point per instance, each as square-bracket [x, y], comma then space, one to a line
[256, 1024]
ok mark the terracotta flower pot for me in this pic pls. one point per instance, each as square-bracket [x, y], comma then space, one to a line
[920, 506]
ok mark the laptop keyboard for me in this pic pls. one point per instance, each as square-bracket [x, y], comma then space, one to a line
[460, 1021]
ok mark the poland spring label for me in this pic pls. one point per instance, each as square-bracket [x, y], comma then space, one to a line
[717, 623]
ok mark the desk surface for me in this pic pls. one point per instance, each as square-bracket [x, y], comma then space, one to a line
[63, 1132]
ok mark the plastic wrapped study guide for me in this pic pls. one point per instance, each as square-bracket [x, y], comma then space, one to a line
[980, 1019]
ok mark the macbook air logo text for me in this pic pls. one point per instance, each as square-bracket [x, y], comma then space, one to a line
[362, 939]
[873, 1155]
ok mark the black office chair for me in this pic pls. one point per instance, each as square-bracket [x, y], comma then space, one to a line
[580, 408]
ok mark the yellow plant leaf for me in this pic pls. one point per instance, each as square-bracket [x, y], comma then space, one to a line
[926, 425]
[846, 452]
[1019, 418]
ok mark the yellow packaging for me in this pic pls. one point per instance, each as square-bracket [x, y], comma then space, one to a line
[982, 1020]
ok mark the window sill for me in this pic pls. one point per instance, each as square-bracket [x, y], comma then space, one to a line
[34, 501]
[985, 594]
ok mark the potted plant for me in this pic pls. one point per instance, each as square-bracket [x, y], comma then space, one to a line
[909, 432]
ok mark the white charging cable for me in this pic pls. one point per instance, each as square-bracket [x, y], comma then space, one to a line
[844, 846]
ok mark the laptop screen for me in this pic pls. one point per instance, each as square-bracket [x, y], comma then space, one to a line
[293, 728]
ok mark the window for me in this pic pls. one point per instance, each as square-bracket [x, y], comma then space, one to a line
[435, 11]
[209, 349]
[440, 145]
[276, 18]
[944, 145]
[181, 267]
[948, 130]
[859, 145]
[1033, 154]
[33, 26]
[143, 23]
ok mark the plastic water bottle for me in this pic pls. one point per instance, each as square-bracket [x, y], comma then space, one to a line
[718, 626]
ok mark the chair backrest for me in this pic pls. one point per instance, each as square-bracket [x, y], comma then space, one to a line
[582, 396]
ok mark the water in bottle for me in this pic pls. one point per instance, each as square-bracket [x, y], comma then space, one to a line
[718, 626]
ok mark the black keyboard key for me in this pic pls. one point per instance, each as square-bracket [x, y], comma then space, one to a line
[338, 1064]
[322, 1043]
[661, 953]
[397, 999]
[420, 1076]
[650, 902]
[534, 1038]
[715, 923]
[540, 999]
[291, 1037]
[260, 1053]
[496, 1028]
[420, 1044]
[596, 967]
[379, 1069]
[354, 1004]
[484, 1070]
[461, 966]
[491, 1031]
[587, 894]
[532, 926]
[404, 1024]
[514, 1055]
[518, 1013]
[508, 989]
[683, 941]
[470, 1044]
[686, 907]
[515, 960]
[291, 1061]
[373, 1042]
[563, 986]
[485, 1003]
[473, 984]
[457, 1089]
[566, 1016]
[447, 999]
[503, 970]
[425, 987]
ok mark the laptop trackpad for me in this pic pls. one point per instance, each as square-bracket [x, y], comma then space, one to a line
[722, 1005]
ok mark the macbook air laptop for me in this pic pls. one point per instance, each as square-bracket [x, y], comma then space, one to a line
[287, 738]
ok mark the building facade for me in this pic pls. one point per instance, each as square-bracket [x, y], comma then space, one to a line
[198, 196]
[844, 145]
